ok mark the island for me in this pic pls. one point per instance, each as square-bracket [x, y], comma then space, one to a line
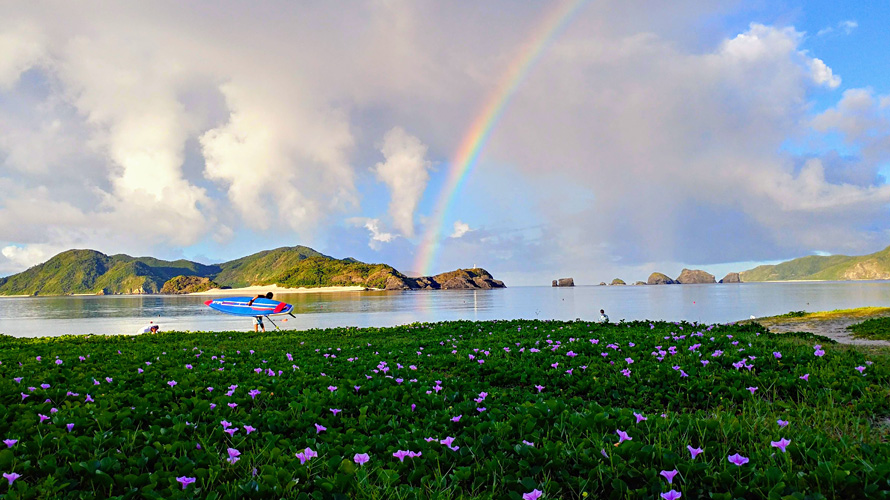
[286, 268]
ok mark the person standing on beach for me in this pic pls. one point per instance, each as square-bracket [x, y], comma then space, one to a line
[258, 323]
[260, 296]
[604, 318]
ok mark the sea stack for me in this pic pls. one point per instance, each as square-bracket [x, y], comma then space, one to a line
[694, 276]
[660, 279]
[731, 278]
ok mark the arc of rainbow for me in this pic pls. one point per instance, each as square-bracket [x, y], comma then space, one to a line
[478, 134]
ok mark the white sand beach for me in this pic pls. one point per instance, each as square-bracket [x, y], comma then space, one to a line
[254, 290]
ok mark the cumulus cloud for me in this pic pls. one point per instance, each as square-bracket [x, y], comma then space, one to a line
[460, 229]
[379, 235]
[22, 257]
[166, 125]
[822, 74]
[406, 173]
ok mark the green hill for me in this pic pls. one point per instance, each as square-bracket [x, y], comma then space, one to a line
[874, 266]
[92, 272]
[89, 271]
[263, 268]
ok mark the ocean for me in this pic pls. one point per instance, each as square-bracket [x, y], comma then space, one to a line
[711, 303]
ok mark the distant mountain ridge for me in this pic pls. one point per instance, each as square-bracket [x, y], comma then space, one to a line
[92, 272]
[875, 266]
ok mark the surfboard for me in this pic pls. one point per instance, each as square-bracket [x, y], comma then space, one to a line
[260, 307]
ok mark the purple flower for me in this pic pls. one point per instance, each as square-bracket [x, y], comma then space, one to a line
[332, 388]
[232, 405]
[45, 386]
[210, 389]
[42, 417]
[24, 396]
[185, 481]
[225, 424]
[12, 476]
[231, 431]
[738, 460]
[356, 387]
[456, 419]
[805, 377]
[819, 353]
[782, 423]
[780, 444]
[669, 475]
[249, 429]
[320, 428]
[752, 389]
[528, 443]
[233, 455]
[70, 427]
[10, 442]
[58, 361]
[254, 393]
[861, 369]
[626, 372]
[447, 441]
[361, 458]
[694, 451]
[622, 437]
[335, 411]
[401, 454]
[539, 388]
[89, 399]
[532, 495]
[640, 417]
[171, 383]
[671, 495]
[777, 355]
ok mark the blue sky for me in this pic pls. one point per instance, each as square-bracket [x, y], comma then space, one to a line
[714, 135]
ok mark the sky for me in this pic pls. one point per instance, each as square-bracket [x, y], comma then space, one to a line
[535, 139]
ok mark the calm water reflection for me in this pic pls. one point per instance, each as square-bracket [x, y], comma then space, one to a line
[42, 316]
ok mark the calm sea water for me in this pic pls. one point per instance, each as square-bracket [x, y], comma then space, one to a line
[717, 303]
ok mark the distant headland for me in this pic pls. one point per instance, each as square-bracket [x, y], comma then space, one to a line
[874, 266]
[90, 272]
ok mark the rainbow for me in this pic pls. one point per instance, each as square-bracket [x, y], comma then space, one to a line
[477, 136]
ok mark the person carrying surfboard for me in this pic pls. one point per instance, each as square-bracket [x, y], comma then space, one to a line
[261, 296]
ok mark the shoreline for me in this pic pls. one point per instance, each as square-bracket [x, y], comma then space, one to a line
[275, 289]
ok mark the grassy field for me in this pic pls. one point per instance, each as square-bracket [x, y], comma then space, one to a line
[507, 409]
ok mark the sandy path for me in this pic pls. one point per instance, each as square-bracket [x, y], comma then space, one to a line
[833, 328]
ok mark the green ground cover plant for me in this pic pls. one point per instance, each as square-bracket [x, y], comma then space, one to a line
[874, 329]
[505, 409]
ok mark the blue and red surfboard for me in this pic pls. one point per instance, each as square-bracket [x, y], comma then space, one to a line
[260, 307]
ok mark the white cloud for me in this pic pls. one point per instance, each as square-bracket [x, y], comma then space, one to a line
[847, 27]
[24, 256]
[162, 125]
[379, 235]
[460, 229]
[406, 173]
[822, 74]
[21, 47]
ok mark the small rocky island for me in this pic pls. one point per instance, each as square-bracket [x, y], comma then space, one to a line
[563, 282]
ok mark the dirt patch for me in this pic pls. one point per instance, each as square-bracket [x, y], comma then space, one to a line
[828, 324]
